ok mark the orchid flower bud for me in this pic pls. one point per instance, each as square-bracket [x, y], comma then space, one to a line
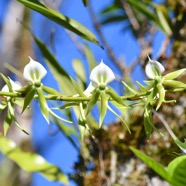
[154, 69]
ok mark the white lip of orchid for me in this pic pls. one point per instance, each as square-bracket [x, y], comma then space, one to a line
[15, 86]
[154, 69]
[100, 76]
[34, 71]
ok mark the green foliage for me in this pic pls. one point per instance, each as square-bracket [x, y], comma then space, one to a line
[157, 167]
[31, 162]
[62, 20]
[174, 174]
[73, 96]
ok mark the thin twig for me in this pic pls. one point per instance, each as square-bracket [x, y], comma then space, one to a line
[78, 45]
[111, 55]
[161, 118]
[113, 163]
[131, 16]
[102, 165]
[163, 49]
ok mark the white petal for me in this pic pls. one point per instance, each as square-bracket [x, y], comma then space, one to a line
[89, 89]
[102, 74]
[34, 71]
[153, 69]
[15, 86]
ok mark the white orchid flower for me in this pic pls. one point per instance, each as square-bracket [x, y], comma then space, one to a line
[34, 71]
[154, 69]
[15, 86]
[100, 76]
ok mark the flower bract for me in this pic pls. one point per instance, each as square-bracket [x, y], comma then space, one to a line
[34, 71]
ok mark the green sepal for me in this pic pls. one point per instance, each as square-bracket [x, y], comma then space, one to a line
[129, 89]
[50, 90]
[7, 81]
[7, 122]
[31, 162]
[103, 110]
[161, 92]
[150, 83]
[43, 104]
[93, 101]
[28, 98]
[142, 88]
[175, 74]
[148, 120]
[174, 83]
[115, 97]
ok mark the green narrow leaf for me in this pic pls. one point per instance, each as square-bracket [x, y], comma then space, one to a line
[143, 9]
[142, 88]
[85, 2]
[90, 57]
[174, 83]
[103, 111]
[157, 167]
[174, 74]
[77, 88]
[180, 144]
[31, 162]
[164, 18]
[161, 92]
[58, 117]
[43, 104]
[28, 98]
[7, 122]
[80, 71]
[50, 90]
[60, 19]
[129, 89]
[176, 169]
[21, 128]
[118, 117]
[93, 101]
[115, 97]
[114, 19]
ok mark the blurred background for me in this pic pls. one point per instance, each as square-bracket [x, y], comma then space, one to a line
[128, 31]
